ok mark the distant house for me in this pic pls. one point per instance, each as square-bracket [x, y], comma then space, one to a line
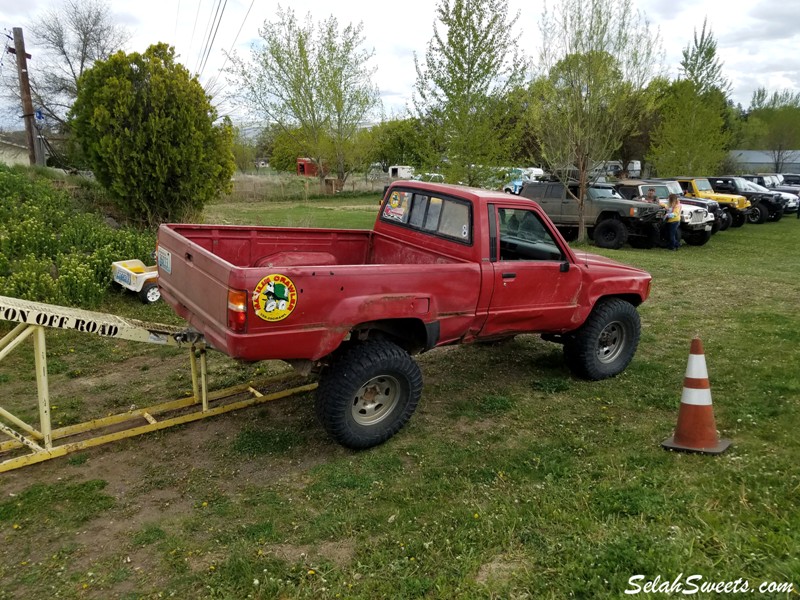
[306, 167]
[764, 161]
[13, 154]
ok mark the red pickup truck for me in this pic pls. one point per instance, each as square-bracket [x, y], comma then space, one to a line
[443, 265]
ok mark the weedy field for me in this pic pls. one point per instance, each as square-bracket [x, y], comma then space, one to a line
[512, 480]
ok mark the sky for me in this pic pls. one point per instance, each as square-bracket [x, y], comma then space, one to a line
[758, 40]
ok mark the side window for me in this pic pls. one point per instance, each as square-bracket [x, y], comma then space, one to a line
[628, 192]
[523, 236]
[555, 191]
[536, 191]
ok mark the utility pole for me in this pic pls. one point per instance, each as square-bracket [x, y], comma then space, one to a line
[25, 91]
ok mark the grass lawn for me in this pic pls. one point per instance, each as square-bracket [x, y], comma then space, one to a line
[512, 480]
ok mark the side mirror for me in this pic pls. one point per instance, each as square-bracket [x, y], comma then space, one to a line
[564, 267]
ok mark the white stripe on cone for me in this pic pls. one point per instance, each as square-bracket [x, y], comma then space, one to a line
[696, 367]
[696, 397]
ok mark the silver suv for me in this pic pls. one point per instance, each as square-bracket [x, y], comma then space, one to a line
[610, 219]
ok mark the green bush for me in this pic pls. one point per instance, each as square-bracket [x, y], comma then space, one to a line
[50, 252]
[149, 133]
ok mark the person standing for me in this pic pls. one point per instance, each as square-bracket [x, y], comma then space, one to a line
[650, 196]
[673, 220]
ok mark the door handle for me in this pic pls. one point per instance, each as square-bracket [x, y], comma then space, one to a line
[509, 275]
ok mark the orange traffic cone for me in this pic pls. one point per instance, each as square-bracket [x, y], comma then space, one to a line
[696, 430]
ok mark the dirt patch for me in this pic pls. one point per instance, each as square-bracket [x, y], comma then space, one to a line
[501, 569]
[339, 553]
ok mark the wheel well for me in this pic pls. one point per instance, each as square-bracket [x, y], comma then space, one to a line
[605, 217]
[410, 334]
[629, 298]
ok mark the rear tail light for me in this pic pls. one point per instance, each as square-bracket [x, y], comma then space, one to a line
[237, 310]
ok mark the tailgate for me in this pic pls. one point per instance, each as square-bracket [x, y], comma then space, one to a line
[194, 282]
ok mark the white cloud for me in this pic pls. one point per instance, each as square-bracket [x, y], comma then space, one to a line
[755, 37]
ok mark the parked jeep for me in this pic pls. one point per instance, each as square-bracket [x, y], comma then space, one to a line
[610, 219]
[699, 187]
[765, 205]
[773, 183]
[696, 222]
[792, 198]
[791, 178]
[722, 218]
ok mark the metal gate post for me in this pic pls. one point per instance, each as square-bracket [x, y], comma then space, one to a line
[203, 378]
[193, 363]
[42, 389]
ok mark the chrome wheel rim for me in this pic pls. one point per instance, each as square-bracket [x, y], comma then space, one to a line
[375, 399]
[611, 342]
[153, 294]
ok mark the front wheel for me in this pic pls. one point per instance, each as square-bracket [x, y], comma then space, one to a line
[725, 220]
[605, 344]
[610, 234]
[368, 394]
[758, 214]
[697, 238]
[777, 215]
[738, 219]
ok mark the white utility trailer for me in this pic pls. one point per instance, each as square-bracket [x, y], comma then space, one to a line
[137, 277]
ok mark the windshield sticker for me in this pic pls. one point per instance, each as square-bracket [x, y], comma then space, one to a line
[274, 298]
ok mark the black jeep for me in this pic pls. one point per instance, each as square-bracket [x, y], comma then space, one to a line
[765, 205]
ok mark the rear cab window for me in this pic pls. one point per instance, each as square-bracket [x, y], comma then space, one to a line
[437, 215]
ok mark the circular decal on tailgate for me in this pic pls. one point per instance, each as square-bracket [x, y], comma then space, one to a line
[275, 297]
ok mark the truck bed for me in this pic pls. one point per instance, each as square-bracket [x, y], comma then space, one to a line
[342, 278]
[282, 246]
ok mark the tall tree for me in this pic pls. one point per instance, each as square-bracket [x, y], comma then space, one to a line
[773, 125]
[399, 142]
[68, 40]
[702, 66]
[244, 151]
[598, 57]
[690, 138]
[471, 63]
[312, 80]
[148, 131]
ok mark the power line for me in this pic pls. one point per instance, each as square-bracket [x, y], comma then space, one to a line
[212, 17]
[211, 45]
[233, 44]
[177, 14]
[196, 15]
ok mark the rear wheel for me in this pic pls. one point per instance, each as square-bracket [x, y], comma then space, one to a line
[610, 234]
[150, 293]
[777, 215]
[605, 344]
[368, 394]
[758, 214]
